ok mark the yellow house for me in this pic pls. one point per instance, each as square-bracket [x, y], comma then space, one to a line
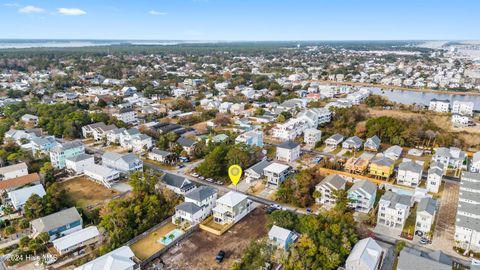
[381, 167]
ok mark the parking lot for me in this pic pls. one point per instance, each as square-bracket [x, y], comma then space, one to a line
[198, 251]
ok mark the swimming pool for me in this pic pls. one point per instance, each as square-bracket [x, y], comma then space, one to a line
[171, 236]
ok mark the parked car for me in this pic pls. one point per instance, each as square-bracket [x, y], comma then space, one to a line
[270, 210]
[201, 178]
[220, 256]
[219, 183]
[181, 166]
[209, 180]
[424, 241]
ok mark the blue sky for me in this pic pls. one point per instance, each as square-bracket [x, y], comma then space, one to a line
[240, 19]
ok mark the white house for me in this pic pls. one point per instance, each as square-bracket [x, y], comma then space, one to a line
[393, 210]
[198, 205]
[353, 142]
[281, 237]
[440, 106]
[19, 197]
[177, 184]
[231, 208]
[102, 174]
[161, 156]
[276, 173]
[463, 107]
[372, 144]
[79, 163]
[128, 116]
[87, 236]
[13, 171]
[434, 177]
[450, 157]
[334, 140]
[393, 152]
[367, 254]
[288, 151]
[119, 259]
[467, 231]
[409, 173]
[426, 210]
[362, 196]
[328, 187]
[124, 163]
[311, 136]
[459, 120]
[98, 131]
[30, 119]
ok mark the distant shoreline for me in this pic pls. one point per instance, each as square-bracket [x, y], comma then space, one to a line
[399, 88]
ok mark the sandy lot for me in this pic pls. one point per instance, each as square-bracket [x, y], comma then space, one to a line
[85, 192]
[147, 246]
[199, 250]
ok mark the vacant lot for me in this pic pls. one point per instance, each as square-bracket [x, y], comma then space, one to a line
[199, 250]
[86, 193]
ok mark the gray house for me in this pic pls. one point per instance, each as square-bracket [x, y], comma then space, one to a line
[419, 260]
[177, 184]
[352, 143]
[372, 144]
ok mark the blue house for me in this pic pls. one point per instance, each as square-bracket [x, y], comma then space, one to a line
[58, 224]
[281, 237]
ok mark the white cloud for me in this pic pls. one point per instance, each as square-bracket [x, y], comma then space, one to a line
[71, 11]
[31, 9]
[11, 5]
[157, 13]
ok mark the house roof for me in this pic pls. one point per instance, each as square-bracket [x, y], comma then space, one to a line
[19, 181]
[119, 259]
[175, 180]
[188, 207]
[373, 140]
[67, 145]
[185, 142]
[395, 199]
[411, 166]
[395, 149]
[415, 259]
[231, 198]
[364, 186]
[354, 140]
[260, 166]
[428, 205]
[201, 193]
[20, 196]
[334, 180]
[55, 220]
[383, 161]
[80, 157]
[160, 152]
[366, 252]
[276, 167]
[279, 232]
[288, 145]
[76, 238]
[13, 168]
[336, 137]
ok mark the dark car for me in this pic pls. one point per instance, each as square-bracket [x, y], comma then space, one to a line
[270, 210]
[220, 256]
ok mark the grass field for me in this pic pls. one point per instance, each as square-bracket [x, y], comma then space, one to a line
[147, 246]
[84, 192]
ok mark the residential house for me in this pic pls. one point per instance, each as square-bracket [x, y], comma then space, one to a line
[177, 184]
[393, 210]
[426, 211]
[124, 163]
[467, 229]
[78, 163]
[281, 237]
[367, 254]
[354, 143]
[288, 151]
[362, 196]
[328, 187]
[463, 107]
[422, 260]
[60, 153]
[251, 138]
[30, 119]
[452, 157]
[381, 167]
[372, 144]
[76, 240]
[121, 258]
[393, 152]
[440, 106]
[187, 144]
[198, 205]
[231, 208]
[434, 177]
[311, 136]
[102, 174]
[162, 156]
[256, 171]
[98, 131]
[459, 120]
[132, 139]
[128, 116]
[17, 198]
[43, 145]
[15, 183]
[276, 173]
[334, 140]
[475, 163]
[409, 173]
[58, 224]
[13, 171]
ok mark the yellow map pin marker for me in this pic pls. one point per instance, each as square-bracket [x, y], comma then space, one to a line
[235, 172]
